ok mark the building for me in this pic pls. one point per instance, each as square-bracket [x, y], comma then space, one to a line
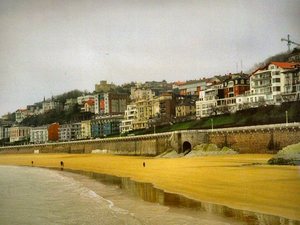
[129, 117]
[192, 87]
[82, 99]
[51, 105]
[4, 132]
[19, 134]
[104, 87]
[145, 110]
[138, 93]
[34, 109]
[68, 132]
[106, 126]
[166, 107]
[220, 95]
[111, 103]
[53, 132]
[89, 106]
[271, 82]
[235, 85]
[86, 129]
[186, 108]
[21, 114]
[39, 135]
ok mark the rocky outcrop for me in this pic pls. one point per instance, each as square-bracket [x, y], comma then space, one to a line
[290, 155]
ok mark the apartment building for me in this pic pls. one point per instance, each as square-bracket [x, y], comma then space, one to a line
[106, 125]
[274, 81]
[167, 104]
[129, 116]
[86, 129]
[192, 87]
[53, 132]
[68, 132]
[111, 103]
[221, 96]
[145, 110]
[19, 133]
[39, 135]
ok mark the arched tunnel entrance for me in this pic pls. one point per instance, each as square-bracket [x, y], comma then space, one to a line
[186, 147]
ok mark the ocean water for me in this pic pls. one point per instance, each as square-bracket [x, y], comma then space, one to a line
[36, 196]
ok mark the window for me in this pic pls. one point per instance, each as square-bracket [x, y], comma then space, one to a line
[276, 80]
[242, 81]
[277, 88]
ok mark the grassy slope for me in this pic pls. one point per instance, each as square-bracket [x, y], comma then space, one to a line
[228, 180]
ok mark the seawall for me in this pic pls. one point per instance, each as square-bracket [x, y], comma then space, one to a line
[253, 139]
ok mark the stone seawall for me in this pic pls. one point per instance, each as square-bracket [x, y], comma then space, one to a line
[149, 145]
[257, 139]
[253, 139]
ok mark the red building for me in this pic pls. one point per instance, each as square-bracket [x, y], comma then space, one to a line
[235, 85]
[53, 132]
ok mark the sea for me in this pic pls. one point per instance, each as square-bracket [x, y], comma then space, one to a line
[38, 196]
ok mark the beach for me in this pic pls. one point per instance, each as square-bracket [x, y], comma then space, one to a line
[242, 181]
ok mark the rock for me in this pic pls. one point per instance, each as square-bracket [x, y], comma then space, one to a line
[289, 155]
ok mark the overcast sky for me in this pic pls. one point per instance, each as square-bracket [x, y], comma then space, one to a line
[48, 47]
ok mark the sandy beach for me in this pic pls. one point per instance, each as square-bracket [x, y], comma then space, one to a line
[239, 181]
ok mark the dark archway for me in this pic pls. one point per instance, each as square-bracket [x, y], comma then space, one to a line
[186, 147]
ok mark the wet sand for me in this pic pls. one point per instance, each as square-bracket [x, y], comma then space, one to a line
[238, 181]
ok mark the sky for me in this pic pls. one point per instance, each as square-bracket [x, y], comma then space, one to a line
[53, 46]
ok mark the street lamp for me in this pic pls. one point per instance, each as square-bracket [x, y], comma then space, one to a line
[286, 117]
[212, 124]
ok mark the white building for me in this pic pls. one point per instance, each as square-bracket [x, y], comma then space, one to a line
[275, 80]
[39, 135]
[129, 117]
[21, 114]
[51, 105]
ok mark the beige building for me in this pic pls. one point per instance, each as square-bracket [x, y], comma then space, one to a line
[103, 86]
[18, 133]
[185, 110]
[145, 110]
[86, 129]
[138, 94]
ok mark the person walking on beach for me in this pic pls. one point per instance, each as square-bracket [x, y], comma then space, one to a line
[61, 165]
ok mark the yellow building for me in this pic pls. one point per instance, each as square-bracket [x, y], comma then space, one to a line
[145, 110]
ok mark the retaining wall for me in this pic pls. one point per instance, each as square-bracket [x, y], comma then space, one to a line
[254, 139]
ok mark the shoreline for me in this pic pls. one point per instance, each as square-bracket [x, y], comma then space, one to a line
[167, 181]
